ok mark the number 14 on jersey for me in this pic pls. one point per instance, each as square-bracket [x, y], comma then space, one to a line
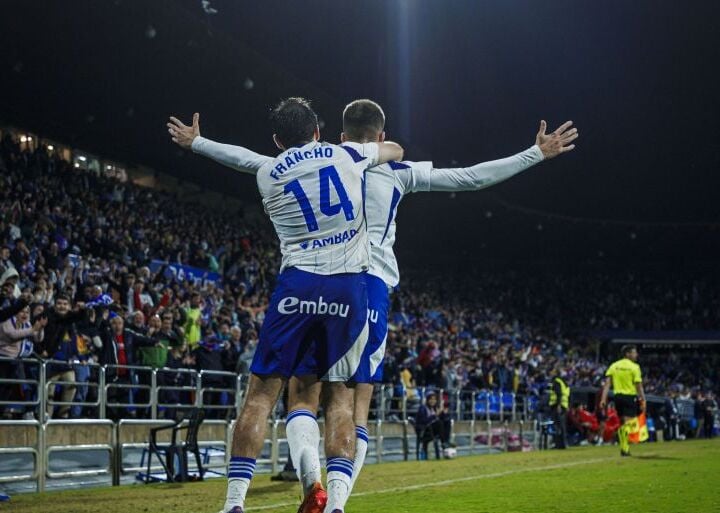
[328, 175]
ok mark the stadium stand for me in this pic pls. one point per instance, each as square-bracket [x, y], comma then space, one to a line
[117, 247]
[165, 297]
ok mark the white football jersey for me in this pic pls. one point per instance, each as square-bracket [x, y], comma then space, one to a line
[387, 184]
[314, 197]
[385, 187]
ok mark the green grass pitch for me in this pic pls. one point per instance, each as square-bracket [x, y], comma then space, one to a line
[659, 478]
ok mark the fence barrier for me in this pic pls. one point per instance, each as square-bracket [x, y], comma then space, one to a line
[479, 421]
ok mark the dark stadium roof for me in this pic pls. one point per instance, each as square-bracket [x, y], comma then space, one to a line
[461, 82]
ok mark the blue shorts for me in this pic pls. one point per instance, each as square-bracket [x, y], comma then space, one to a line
[371, 365]
[315, 324]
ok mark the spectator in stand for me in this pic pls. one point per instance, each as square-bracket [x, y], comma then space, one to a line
[233, 350]
[143, 377]
[147, 355]
[171, 341]
[64, 230]
[193, 321]
[698, 413]
[430, 424]
[177, 360]
[709, 408]
[60, 345]
[672, 417]
[8, 285]
[5, 261]
[9, 305]
[82, 370]
[119, 350]
[248, 353]
[122, 289]
[137, 322]
[143, 299]
[208, 356]
[18, 336]
[97, 298]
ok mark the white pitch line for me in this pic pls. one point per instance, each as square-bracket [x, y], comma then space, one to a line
[451, 481]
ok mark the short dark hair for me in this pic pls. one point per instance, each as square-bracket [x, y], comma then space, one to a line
[293, 121]
[627, 348]
[363, 120]
[61, 297]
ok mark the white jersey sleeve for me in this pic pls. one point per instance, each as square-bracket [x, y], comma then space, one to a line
[314, 197]
[388, 183]
[228, 155]
[471, 178]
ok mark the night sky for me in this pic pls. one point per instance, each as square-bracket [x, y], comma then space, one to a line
[461, 82]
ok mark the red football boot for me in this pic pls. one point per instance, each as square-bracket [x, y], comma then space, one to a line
[315, 501]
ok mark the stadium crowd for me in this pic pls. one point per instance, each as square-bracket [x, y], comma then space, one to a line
[85, 276]
[506, 331]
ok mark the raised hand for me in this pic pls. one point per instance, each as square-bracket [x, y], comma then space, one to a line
[557, 142]
[182, 134]
[40, 324]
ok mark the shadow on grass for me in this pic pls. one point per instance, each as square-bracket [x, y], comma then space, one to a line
[274, 488]
[656, 457]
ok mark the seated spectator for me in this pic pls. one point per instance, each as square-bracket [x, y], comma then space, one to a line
[609, 424]
[586, 423]
[430, 426]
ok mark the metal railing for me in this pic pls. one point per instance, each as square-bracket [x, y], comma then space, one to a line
[23, 385]
[97, 435]
[120, 391]
[479, 423]
[23, 437]
[129, 391]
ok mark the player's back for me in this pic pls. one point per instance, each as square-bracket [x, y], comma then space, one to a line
[314, 197]
[386, 185]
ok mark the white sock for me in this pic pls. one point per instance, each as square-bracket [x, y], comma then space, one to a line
[339, 475]
[361, 447]
[303, 435]
[240, 472]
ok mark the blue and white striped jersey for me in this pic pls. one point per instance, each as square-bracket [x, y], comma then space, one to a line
[314, 197]
[385, 186]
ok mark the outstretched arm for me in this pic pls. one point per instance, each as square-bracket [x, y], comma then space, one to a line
[489, 173]
[236, 157]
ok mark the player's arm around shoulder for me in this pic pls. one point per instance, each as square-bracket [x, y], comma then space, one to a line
[388, 151]
[376, 153]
